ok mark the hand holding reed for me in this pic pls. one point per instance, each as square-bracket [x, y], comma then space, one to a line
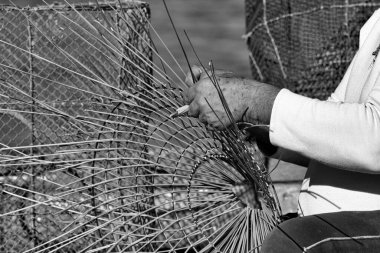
[248, 100]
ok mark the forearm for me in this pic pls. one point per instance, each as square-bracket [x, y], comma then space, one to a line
[261, 102]
[342, 135]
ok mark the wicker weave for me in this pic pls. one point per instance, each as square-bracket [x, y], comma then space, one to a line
[47, 37]
[107, 168]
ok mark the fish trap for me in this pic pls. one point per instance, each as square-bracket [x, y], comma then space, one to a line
[91, 161]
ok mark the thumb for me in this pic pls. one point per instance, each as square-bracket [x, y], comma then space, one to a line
[197, 72]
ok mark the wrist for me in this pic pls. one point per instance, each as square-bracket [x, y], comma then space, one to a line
[261, 102]
[260, 135]
[264, 144]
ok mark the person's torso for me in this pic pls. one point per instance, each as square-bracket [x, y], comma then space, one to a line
[326, 189]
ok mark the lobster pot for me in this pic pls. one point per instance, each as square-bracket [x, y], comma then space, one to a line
[63, 71]
[305, 46]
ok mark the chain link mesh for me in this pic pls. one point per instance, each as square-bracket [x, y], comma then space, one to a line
[305, 46]
[49, 64]
[104, 167]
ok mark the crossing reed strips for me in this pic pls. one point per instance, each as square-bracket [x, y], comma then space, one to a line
[105, 169]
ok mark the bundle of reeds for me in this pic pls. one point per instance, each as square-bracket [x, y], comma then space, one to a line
[106, 168]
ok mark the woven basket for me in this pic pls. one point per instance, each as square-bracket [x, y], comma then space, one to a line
[48, 32]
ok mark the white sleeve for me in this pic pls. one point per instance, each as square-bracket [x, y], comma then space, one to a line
[335, 132]
[366, 29]
[337, 96]
[344, 135]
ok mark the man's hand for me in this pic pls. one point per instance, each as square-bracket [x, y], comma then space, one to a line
[248, 100]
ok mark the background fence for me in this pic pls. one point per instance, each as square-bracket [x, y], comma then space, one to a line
[302, 45]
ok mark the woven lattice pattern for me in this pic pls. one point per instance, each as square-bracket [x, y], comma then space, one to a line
[97, 163]
[51, 60]
[305, 46]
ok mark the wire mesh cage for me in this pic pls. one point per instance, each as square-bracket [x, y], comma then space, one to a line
[52, 60]
[305, 46]
[91, 160]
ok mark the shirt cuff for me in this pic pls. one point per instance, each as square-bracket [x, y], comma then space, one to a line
[286, 111]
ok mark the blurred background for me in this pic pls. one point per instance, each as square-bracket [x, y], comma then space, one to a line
[215, 28]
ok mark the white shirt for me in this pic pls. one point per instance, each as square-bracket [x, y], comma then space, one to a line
[341, 136]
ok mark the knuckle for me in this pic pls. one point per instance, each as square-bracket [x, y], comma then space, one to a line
[193, 110]
[204, 118]
[189, 94]
[188, 79]
[185, 93]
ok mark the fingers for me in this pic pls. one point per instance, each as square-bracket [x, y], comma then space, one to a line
[189, 94]
[210, 120]
[203, 118]
[194, 110]
[197, 72]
